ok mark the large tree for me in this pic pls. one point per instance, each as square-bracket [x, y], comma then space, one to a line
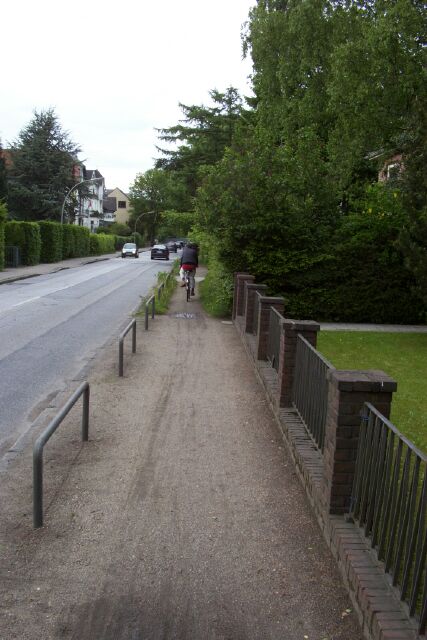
[3, 176]
[43, 156]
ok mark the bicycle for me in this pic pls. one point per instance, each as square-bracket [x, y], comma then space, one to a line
[187, 283]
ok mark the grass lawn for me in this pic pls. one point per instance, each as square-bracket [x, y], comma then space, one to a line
[403, 356]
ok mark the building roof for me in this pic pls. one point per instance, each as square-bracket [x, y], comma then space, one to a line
[92, 173]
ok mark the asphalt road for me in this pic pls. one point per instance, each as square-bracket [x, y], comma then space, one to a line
[52, 325]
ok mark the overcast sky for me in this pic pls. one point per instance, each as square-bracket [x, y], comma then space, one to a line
[113, 71]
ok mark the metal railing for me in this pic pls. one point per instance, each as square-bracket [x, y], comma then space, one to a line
[131, 325]
[256, 313]
[310, 389]
[390, 502]
[152, 300]
[12, 256]
[44, 437]
[273, 342]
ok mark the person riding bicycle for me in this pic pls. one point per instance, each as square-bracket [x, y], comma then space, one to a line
[189, 262]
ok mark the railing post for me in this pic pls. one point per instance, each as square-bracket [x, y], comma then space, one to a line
[264, 322]
[348, 391]
[250, 289]
[287, 355]
[239, 279]
[146, 317]
[85, 416]
[121, 357]
[134, 337]
[153, 307]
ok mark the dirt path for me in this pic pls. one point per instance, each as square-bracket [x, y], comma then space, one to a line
[182, 518]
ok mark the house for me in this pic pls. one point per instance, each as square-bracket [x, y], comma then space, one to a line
[90, 210]
[391, 168]
[116, 206]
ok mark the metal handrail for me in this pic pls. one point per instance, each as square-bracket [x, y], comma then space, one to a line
[44, 437]
[151, 299]
[131, 325]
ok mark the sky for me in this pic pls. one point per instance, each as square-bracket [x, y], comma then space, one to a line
[115, 71]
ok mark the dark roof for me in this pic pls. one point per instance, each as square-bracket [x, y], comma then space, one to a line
[92, 173]
[109, 205]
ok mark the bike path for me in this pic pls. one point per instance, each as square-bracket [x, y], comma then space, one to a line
[181, 518]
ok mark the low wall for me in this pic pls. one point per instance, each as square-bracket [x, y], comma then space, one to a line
[326, 475]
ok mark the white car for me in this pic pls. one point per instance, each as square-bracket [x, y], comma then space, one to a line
[130, 249]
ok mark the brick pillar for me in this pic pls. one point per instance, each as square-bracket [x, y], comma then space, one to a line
[239, 279]
[287, 356]
[264, 321]
[348, 391]
[251, 288]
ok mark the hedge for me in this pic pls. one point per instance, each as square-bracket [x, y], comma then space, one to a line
[26, 236]
[75, 241]
[101, 243]
[51, 235]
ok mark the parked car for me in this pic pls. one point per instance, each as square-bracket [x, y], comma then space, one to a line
[171, 245]
[130, 249]
[159, 251]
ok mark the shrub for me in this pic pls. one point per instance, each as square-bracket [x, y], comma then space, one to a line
[82, 237]
[101, 243]
[51, 235]
[26, 236]
[68, 241]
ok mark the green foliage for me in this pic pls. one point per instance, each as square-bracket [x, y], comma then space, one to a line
[41, 174]
[68, 241]
[175, 224]
[26, 236]
[121, 240]
[51, 237]
[116, 228]
[82, 237]
[3, 176]
[170, 284]
[101, 243]
[3, 218]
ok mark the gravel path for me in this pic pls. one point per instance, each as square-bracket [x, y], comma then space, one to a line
[182, 518]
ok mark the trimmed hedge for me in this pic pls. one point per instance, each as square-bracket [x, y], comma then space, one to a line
[75, 241]
[51, 235]
[26, 236]
[101, 243]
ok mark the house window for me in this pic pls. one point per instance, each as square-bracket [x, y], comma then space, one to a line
[122, 204]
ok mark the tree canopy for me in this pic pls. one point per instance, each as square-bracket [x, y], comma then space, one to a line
[43, 156]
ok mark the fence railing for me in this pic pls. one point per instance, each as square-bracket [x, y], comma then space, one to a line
[255, 316]
[12, 256]
[44, 437]
[151, 300]
[131, 325]
[310, 389]
[390, 502]
[273, 342]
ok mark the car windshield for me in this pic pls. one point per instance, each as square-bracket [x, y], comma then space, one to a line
[129, 245]
[159, 246]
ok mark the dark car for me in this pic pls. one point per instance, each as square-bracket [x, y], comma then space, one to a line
[159, 251]
[130, 249]
[171, 245]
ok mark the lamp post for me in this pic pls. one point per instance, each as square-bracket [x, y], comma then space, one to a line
[72, 189]
[144, 213]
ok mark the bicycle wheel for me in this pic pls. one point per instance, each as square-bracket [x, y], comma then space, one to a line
[188, 288]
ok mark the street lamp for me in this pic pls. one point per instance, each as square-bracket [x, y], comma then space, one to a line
[72, 189]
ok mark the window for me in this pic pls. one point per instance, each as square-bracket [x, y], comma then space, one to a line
[122, 204]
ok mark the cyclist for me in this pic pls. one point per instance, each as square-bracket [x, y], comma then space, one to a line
[189, 262]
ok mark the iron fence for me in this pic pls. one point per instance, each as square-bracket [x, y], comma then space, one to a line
[310, 389]
[151, 300]
[256, 313]
[390, 502]
[273, 342]
[12, 256]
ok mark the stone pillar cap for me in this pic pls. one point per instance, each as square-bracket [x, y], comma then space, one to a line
[302, 325]
[376, 381]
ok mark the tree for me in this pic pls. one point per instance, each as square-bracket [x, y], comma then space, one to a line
[202, 135]
[3, 176]
[42, 161]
